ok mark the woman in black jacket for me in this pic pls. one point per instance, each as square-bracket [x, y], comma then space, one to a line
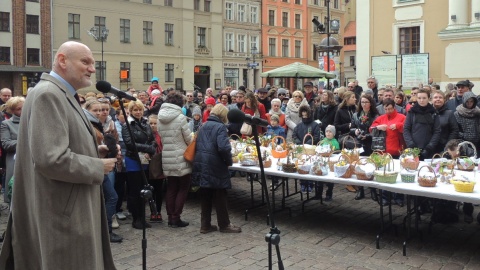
[145, 142]
[326, 110]
[448, 123]
[210, 170]
[422, 126]
[344, 114]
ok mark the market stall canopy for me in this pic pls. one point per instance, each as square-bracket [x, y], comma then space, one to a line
[298, 70]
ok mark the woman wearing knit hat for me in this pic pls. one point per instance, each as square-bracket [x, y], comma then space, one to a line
[196, 120]
[210, 102]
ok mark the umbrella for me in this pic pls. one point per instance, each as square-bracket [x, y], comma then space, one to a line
[298, 70]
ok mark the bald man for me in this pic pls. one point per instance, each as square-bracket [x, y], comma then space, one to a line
[58, 218]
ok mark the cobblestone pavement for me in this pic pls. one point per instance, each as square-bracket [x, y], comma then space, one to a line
[336, 235]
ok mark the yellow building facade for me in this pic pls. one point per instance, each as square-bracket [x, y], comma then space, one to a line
[448, 30]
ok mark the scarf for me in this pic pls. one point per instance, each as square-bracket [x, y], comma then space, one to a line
[423, 114]
[468, 113]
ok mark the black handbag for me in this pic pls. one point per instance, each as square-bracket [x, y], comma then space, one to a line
[349, 142]
[378, 140]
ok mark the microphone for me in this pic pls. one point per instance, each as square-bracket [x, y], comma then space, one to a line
[237, 116]
[106, 87]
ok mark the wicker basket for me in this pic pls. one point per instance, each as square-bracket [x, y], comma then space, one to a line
[319, 167]
[465, 167]
[308, 149]
[319, 148]
[353, 154]
[463, 186]
[279, 153]
[384, 176]
[450, 164]
[289, 168]
[331, 163]
[345, 171]
[235, 159]
[410, 164]
[360, 173]
[427, 181]
[267, 163]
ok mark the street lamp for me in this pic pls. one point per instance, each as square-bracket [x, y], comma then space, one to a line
[99, 36]
[253, 65]
[329, 27]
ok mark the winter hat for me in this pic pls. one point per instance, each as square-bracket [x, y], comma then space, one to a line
[233, 93]
[330, 128]
[154, 79]
[275, 117]
[368, 92]
[156, 92]
[197, 111]
[468, 95]
[281, 91]
[210, 101]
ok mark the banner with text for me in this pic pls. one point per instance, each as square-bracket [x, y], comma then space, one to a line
[414, 69]
[384, 69]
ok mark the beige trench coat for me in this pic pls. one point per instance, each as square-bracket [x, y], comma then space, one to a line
[58, 218]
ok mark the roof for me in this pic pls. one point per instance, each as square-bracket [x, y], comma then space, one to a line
[10, 68]
[350, 31]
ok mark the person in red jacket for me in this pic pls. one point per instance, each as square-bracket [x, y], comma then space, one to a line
[391, 122]
[254, 108]
[210, 102]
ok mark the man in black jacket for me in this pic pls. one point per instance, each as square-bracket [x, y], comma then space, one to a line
[373, 84]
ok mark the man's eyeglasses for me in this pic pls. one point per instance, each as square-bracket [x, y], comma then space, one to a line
[189, 96]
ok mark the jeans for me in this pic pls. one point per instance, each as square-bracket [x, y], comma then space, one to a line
[110, 197]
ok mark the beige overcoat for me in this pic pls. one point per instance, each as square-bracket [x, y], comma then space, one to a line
[58, 218]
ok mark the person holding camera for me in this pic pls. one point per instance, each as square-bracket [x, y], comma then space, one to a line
[361, 122]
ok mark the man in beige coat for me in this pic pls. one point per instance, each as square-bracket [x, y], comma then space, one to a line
[58, 218]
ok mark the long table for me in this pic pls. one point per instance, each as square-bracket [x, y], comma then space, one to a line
[411, 190]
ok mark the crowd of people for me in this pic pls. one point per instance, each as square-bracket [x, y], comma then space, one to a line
[164, 122]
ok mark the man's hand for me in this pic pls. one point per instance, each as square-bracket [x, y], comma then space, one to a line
[108, 164]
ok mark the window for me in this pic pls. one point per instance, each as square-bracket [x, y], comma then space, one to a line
[73, 26]
[5, 55]
[229, 42]
[325, 3]
[147, 32]
[125, 30]
[316, 2]
[229, 11]
[169, 73]
[271, 17]
[254, 42]
[100, 24]
[241, 13]
[196, 4]
[298, 2]
[101, 68]
[285, 19]
[315, 52]
[169, 34]
[4, 22]
[147, 1]
[125, 66]
[254, 14]
[350, 41]
[201, 41]
[206, 5]
[298, 48]
[33, 1]
[32, 24]
[410, 40]
[241, 43]
[272, 46]
[284, 47]
[335, 4]
[297, 21]
[168, 3]
[285, 1]
[352, 60]
[147, 72]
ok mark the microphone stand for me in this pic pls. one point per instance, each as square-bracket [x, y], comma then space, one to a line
[273, 237]
[145, 193]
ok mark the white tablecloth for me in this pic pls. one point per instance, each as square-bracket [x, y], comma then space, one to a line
[440, 191]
